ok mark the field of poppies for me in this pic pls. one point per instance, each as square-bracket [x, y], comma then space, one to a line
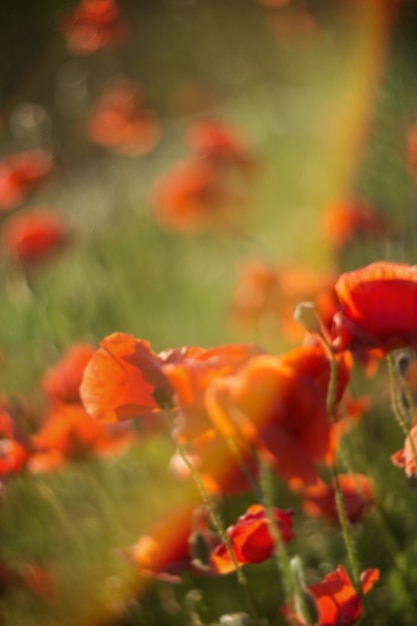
[208, 321]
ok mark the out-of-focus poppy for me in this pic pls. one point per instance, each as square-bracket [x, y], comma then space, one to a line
[405, 457]
[357, 493]
[29, 576]
[191, 376]
[166, 549]
[338, 602]
[34, 236]
[291, 24]
[20, 174]
[346, 220]
[378, 307]
[69, 433]
[222, 470]
[121, 122]
[278, 405]
[217, 142]
[92, 25]
[13, 453]
[271, 294]
[194, 197]
[61, 383]
[251, 539]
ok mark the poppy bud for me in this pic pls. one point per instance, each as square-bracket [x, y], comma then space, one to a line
[305, 314]
[236, 619]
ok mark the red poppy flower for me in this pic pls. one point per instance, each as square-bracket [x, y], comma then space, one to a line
[122, 378]
[278, 405]
[121, 122]
[195, 197]
[20, 174]
[265, 293]
[166, 549]
[338, 602]
[191, 376]
[251, 539]
[405, 458]
[69, 433]
[357, 492]
[94, 24]
[62, 382]
[346, 220]
[220, 144]
[31, 577]
[378, 307]
[35, 236]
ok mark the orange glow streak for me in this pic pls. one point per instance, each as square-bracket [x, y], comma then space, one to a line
[347, 126]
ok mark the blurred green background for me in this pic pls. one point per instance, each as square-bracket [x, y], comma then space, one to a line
[324, 93]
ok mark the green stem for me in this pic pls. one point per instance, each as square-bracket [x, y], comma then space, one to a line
[216, 521]
[292, 588]
[396, 405]
[347, 536]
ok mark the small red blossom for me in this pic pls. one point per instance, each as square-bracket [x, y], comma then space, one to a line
[20, 174]
[33, 237]
[29, 576]
[270, 294]
[92, 25]
[194, 197]
[62, 382]
[69, 433]
[378, 308]
[250, 538]
[121, 122]
[338, 602]
[357, 492]
[217, 142]
[351, 218]
[406, 457]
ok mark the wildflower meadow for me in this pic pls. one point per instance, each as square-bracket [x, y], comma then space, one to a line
[208, 315]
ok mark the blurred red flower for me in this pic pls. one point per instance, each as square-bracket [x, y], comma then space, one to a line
[61, 383]
[92, 25]
[191, 376]
[167, 548]
[278, 405]
[221, 470]
[405, 457]
[121, 122]
[69, 433]
[29, 576]
[346, 220]
[357, 492]
[338, 602]
[266, 293]
[251, 539]
[378, 307]
[34, 236]
[194, 197]
[219, 143]
[20, 174]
